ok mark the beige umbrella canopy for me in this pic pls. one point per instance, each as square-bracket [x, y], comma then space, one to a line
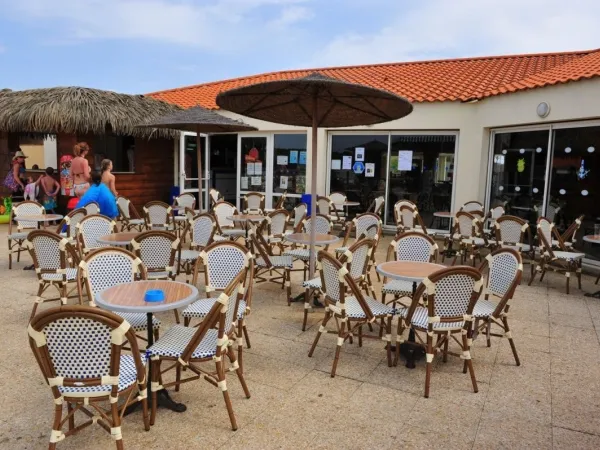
[198, 120]
[77, 110]
[315, 101]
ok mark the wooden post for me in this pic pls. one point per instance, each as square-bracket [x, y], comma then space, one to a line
[199, 156]
[313, 188]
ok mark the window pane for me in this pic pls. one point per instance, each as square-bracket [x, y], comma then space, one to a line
[223, 166]
[119, 149]
[254, 156]
[41, 153]
[519, 173]
[575, 184]
[422, 171]
[289, 165]
[361, 183]
[191, 161]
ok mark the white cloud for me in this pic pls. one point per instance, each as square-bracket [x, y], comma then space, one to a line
[212, 25]
[442, 28]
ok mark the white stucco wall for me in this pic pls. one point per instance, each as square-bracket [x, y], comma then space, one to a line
[473, 121]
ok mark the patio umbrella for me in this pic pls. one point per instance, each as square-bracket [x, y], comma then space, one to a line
[198, 120]
[315, 101]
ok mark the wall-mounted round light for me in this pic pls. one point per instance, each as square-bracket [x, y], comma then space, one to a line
[584, 193]
[562, 192]
[568, 150]
[591, 149]
[517, 189]
[536, 190]
[504, 152]
[538, 150]
[543, 110]
[501, 188]
[522, 151]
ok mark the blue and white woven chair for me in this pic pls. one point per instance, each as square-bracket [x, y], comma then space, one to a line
[254, 203]
[128, 215]
[377, 205]
[79, 351]
[360, 224]
[201, 229]
[561, 261]
[357, 258]
[412, 246]
[184, 347]
[89, 229]
[226, 227]
[514, 232]
[468, 236]
[16, 239]
[276, 222]
[267, 263]
[71, 220]
[214, 196]
[350, 312]
[184, 201]
[158, 215]
[322, 226]
[222, 262]
[397, 215]
[157, 251]
[451, 297]
[472, 206]
[51, 254]
[92, 208]
[504, 275]
[326, 207]
[107, 267]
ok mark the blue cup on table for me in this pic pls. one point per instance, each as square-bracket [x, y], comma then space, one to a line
[154, 295]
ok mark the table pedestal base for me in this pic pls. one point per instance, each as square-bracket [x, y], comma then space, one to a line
[593, 294]
[163, 399]
[31, 267]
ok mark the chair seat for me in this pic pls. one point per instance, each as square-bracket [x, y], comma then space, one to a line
[219, 238]
[71, 275]
[201, 308]
[354, 311]
[274, 239]
[136, 222]
[189, 255]
[567, 244]
[127, 377]
[167, 227]
[436, 232]
[180, 218]
[18, 236]
[233, 232]
[174, 341]
[277, 261]
[341, 249]
[569, 256]
[483, 309]
[139, 322]
[162, 275]
[420, 319]
[298, 253]
[315, 283]
[398, 287]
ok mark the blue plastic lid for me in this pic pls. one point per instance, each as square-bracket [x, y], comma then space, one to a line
[154, 295]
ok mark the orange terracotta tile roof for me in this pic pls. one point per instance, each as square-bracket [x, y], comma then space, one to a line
[426, 81]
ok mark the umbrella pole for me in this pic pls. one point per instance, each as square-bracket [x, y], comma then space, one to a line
[313, 189]
[199, 156]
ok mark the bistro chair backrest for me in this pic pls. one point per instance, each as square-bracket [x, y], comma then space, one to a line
[398, 205]
[71, 220]
[478, 214]
[451, 296]
[505, 270]
[413, 246]
[157, 214]
[105, 268]
[78, 348]
[277, 222]
[338, 199]
[357, 258]
[325, 206]
[202, 229]
[510, 230]
[545, 227]
[569, 234]
[466, 224]
[552, 211]
[26, 208]
[186, 200]
[123, 204]
[156, 250]
[497, 212]
[90, 228]
[223, 261]
[336, 280]
[214, 195]
[322, 224]
[92, 208]
[472, 206]
[408, 217]
[281, 202]
[377, 205]
[222, 210]
[50, 253]
[254, 203]
[299, 213]
[364, 221]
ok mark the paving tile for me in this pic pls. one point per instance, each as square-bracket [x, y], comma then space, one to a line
[569, 439]
[501, 432]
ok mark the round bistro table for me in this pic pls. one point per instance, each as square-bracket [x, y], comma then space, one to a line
[118, 239]
[304, 238]
[39, 219]
[414, 272]
[129, 298]
[246, 219]
[593, 239]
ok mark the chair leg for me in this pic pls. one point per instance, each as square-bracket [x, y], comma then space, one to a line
[469, 361]
[177, 377]
[186, 321]
[488, 330]
[72, 417]
[568, 277]
[155, 377]
[222, 383]
[445, 355]
[38, 300]
[306, 308]
[288, 284]
[510, 340]
[338, 348]
[240, 343]
[321, 330]
[246, 336]
[429, 355]
[56, 428]
[388, 339]
[176, 316]
[10, 256]
[116, 424]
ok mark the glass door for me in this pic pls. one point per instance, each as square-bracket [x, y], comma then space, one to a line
[188, 165]
[289, 167]
[254, 165]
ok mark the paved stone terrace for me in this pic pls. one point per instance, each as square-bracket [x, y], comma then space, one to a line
[551, 401]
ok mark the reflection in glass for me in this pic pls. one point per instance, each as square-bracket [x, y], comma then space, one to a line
[288, 172]
[253, 164]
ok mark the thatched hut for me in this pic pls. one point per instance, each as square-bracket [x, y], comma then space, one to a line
[48, 122]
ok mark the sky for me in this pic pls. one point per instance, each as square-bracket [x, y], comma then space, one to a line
[142, 46]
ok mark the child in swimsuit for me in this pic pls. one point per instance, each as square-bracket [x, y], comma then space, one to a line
[51, 188]
[31, 189]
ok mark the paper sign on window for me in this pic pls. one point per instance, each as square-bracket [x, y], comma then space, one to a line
[282, 160]
[250, 169]
[244, 183]
[370, 170]
[405, 160]
[256, 181]
[336, 164]
[294, 157]
[283, 182]
[359, 153]
[347, 163]
[258, 168]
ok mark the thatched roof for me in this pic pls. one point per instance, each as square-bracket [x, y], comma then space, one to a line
[198, 120]
[77, 110]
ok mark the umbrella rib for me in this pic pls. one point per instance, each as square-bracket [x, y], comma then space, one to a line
[366, 99]
[333, 103]
[384, 116]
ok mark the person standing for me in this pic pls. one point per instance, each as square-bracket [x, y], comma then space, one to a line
[101, 194]
[80, 169]
[16, 175]
[51, 188]
[107, 177]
